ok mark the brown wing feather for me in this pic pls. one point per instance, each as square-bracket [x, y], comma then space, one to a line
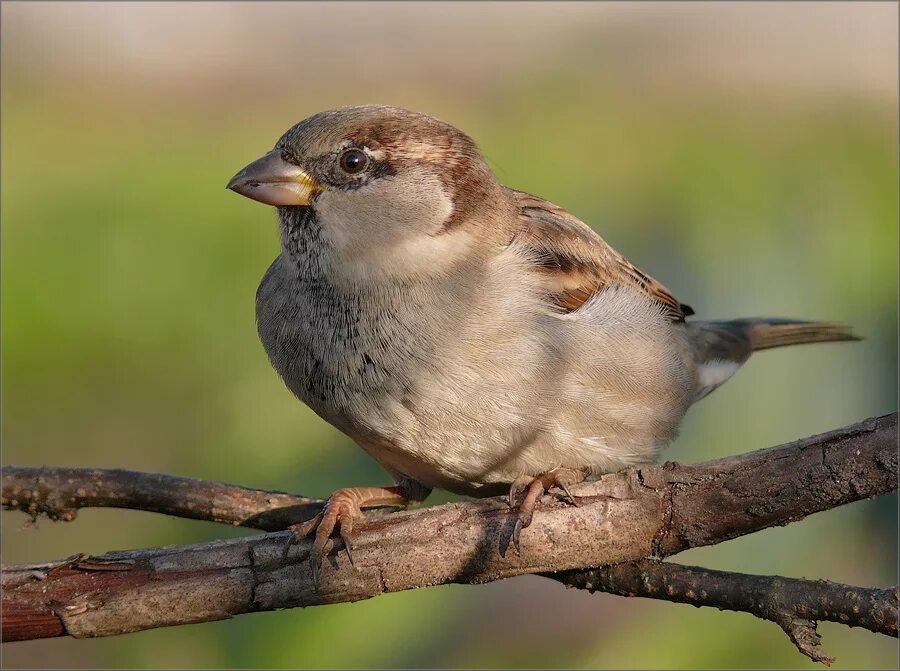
[576, 262]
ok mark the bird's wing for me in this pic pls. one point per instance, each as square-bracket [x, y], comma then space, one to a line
[576, 262]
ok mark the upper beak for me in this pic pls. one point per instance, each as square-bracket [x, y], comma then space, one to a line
[274, 181]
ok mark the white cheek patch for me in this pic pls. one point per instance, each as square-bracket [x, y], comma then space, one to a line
[429, 255]
[387, 228]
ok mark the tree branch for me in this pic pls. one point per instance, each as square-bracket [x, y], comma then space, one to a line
[794, 605]
[624, 517]
[59, 493]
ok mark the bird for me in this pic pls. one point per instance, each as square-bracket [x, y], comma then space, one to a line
[469, 336]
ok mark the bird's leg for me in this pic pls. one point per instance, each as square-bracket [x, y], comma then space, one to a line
[534, 488]
[341, 510]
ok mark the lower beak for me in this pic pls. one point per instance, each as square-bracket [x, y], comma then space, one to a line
[274, 181]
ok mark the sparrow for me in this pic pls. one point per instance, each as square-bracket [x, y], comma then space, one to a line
[469, 336]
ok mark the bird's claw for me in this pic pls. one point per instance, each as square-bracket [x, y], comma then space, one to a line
[518, 486]
[344, 532]
[534, 488]
[516, 534]
[340, 511]
[569, 498]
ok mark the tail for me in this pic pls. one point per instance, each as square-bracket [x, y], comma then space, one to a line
[769, 333]
[720, 348]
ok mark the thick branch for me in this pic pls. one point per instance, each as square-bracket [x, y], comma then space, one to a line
[60, 492]
[795, 605]
[651, 511]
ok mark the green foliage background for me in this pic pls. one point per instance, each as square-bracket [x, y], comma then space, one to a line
[128, 340]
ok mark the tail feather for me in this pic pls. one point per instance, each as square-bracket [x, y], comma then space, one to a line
[721, 347]
[768, 333]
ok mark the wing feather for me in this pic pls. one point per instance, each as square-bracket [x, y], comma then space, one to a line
[576, 262]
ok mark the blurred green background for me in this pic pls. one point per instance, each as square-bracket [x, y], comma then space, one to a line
[745, 155]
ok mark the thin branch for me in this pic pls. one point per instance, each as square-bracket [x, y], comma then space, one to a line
[624, 517]
[59, 493]
[794, 605]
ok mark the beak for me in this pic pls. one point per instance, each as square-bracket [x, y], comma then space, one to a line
[274, 181]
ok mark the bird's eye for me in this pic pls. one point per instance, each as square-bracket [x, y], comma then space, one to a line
[353, 161]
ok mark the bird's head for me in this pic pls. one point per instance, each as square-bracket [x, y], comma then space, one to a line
[387, 187]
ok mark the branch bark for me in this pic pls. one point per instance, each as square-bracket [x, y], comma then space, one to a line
[653, 511]
[794, 605]
[59, 493]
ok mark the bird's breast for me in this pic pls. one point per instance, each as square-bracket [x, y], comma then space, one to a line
[343, 352]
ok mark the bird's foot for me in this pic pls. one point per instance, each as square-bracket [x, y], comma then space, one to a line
[341, 511]
[534, 488]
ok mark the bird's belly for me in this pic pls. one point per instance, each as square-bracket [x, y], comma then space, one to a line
[470, 411]
[477, 437]
[482, 458]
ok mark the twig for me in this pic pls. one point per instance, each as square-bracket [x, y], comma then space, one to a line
[795, 605]
[59, 493]
[656, 510]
